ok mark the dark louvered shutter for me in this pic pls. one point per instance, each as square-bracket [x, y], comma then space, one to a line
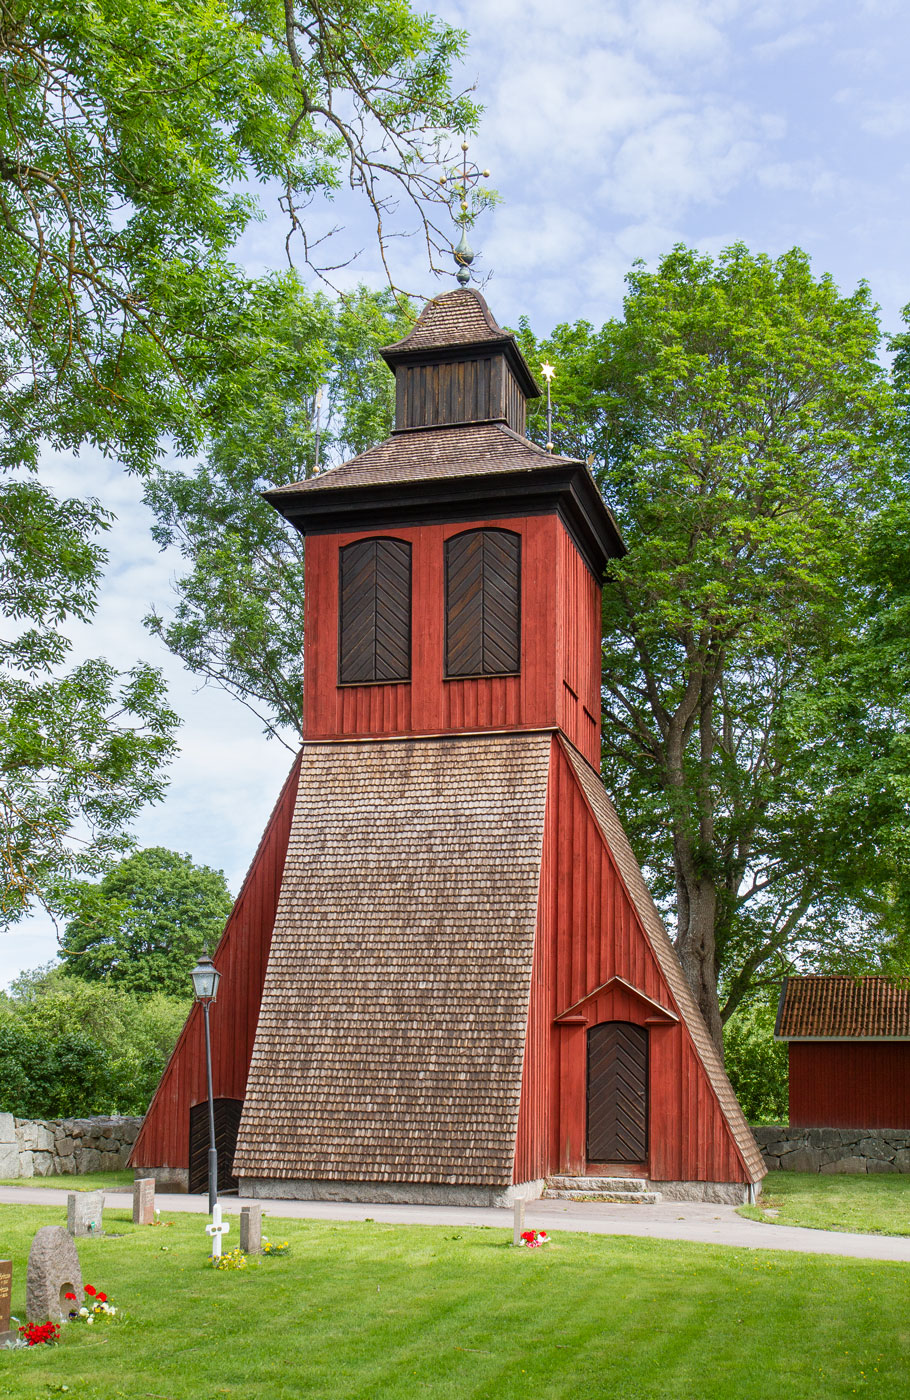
[617, 1092]
[483, 603]
[375, 631]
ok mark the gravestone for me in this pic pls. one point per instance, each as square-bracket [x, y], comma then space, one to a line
[84, 1210]
[251, 1229]
[144, 1201]
[53, 1271]
[6, 1295]
[518, 1221]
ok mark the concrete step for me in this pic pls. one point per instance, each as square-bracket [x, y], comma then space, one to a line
[628, 1190]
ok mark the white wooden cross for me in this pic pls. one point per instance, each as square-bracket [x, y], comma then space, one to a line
[216, 1230]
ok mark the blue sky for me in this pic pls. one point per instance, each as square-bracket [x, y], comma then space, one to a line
[613, 131]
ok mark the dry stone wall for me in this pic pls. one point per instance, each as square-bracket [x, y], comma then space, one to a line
[64, 1146]
[834, 1150]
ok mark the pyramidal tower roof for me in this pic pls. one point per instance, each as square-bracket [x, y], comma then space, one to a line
[457, 320]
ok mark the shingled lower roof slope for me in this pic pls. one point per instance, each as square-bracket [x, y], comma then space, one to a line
[843, 1008]
[460, 317]
[668, 961]
[392, 1028]
[426, 454]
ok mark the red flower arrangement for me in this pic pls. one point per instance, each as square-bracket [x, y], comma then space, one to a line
[95, 1308]
[531, 1239]
[34, 1333]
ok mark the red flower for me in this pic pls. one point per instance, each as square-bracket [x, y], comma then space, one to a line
[102, 1297]
[70, 1295]
[90, 1290]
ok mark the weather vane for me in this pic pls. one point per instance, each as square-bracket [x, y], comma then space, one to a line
[460, 185]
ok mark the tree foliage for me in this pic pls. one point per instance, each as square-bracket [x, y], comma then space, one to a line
[80, 751]
[740, 425]
[298, 360]
[758, 1065]
[144, 924]
[132, 136]
[71, 1048]
[135, 140]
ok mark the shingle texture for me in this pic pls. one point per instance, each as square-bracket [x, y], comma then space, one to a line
[827, 1007]
[425, 454]
[667, 959]
[392, 1028]
[461, 317]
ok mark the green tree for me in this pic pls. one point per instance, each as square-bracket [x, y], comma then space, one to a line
[297, 358]
[758, 1065]
[740, 425]
[144, 924]
[79, 751]
[134, 136]
[73, 1048]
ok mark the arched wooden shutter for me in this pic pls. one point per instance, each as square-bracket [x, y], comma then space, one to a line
[483, 603]
[375, 622]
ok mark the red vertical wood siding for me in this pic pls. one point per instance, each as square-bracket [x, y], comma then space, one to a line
[588, 932]
[560, 645]
[241, 958]
[850, 1084]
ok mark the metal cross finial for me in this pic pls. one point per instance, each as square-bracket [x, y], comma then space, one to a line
[460, 184]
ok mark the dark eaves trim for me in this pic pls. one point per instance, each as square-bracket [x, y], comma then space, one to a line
[566, 488]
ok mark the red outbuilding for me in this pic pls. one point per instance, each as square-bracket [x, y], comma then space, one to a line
[849, 1051]
[445, 979]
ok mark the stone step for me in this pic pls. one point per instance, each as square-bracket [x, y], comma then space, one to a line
[597, 1183]
[624, 1198]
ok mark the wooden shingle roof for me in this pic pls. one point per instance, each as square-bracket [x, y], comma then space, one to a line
[427, 454]
[667, 959]
[393, 1017]
[460, 317]
[843, 1008]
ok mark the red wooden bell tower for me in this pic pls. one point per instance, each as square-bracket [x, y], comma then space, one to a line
[468, 989]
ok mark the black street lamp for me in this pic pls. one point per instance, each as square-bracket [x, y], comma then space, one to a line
[206, 977]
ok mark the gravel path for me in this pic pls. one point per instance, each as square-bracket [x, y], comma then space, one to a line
[670, 1220]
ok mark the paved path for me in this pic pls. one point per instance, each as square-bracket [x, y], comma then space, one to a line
[670, 1220]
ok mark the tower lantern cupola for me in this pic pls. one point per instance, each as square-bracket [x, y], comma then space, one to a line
[458, 366]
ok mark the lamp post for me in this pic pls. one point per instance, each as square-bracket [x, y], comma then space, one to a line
[206, 977]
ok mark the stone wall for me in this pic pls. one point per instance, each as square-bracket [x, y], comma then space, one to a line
[64, 1146]
[834, 1149]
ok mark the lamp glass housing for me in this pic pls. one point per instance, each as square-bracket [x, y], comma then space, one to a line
[205, 977]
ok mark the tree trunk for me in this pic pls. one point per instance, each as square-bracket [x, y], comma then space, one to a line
[695, 944]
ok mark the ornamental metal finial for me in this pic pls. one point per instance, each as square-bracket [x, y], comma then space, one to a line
[460, 184]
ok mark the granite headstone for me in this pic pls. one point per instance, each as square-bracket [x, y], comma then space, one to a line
[84, 1210]
[251, 1229]
[144, 1201]
[53, 1271]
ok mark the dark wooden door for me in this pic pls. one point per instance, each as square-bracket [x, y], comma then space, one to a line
[617, 1092]
[227, 1123]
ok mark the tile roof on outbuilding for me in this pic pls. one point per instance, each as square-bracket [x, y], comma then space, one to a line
[843, 1008]
[392, 1027]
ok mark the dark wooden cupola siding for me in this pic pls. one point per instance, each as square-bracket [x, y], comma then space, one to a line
[468, 985]
[481, 379]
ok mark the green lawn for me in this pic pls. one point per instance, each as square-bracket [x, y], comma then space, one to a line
[382, 1312]
[91, 1181]
[876, 1204]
